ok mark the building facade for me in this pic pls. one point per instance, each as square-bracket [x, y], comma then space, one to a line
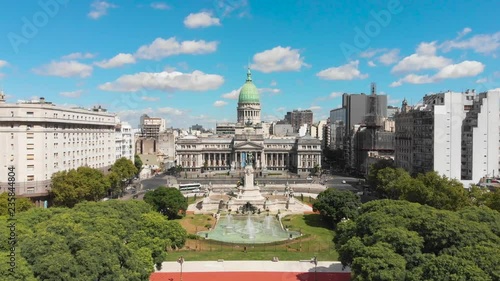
[454, 134]
[124, 140]
[298, 118]
[151, 126]
[39, 139]
[230, 152]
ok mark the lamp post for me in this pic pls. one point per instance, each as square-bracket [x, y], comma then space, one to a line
[181, 261]
[315, 261]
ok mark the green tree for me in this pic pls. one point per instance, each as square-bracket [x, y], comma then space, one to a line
[335, 205]
[22, 204]
[400, 240]
[168, 201]
[393, 183]
[82, 184]
[125, 170]
[493, 200]
[138, 163]
[375, 168]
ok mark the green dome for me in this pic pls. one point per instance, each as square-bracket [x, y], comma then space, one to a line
[249, 93]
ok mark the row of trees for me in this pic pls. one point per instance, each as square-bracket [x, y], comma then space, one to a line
[400, 240]
[429, 189]
[88, 184]
[112, 240]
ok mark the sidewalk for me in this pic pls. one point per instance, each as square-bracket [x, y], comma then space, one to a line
[257, 266]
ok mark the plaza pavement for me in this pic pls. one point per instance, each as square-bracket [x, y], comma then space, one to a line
[252, 270]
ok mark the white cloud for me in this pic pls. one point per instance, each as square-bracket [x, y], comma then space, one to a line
[201, 19]
[220, 103]
[165, 81]
[233, 95]
[273, 83]
[315, 108]
[482, 80]
[371, 64]
[99, 9]
[392, 101]
[65, 69]
[161, 48]
[453, 71]
[72, 94]
[459, 70]
[159, 6]
[147, 98]
[117, 61]
[370, 53]
[464, 32]
[424, 58]
[170, 111]
[390, 57]
[348, 71]
[335, 95]
[481, 43]
[278, 59]
[78, 56]
[269, 90]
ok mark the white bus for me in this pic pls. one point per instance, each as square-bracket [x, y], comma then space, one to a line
[190, 188]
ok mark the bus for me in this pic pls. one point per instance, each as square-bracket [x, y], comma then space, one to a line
[190, 188]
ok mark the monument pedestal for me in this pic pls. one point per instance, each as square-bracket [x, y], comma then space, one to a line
[249, 191]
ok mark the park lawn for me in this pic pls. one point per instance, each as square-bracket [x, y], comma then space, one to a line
[316, 241]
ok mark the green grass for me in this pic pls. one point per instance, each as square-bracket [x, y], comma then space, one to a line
[316, 241]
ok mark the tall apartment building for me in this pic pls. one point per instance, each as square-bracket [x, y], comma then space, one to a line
[124, 140]
[454, 134]
[481, 138]
[151, 126]
[298, 118]
[338, 120]
[39, 139]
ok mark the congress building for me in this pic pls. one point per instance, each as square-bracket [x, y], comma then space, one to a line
[225, 152]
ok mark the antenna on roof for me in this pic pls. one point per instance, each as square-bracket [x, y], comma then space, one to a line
[373, 88]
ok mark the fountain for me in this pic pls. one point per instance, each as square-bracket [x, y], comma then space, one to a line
[249, 199]
[249, 229]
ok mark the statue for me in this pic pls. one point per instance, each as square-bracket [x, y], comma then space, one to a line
[249, 159]
[248, 172]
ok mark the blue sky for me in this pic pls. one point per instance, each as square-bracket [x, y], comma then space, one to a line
[185, 60]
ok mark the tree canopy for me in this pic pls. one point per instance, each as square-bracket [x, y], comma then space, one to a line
[138, 163]
[429, 188]
[112, 240]
[335, 205]
[400, 240]
[74, 186]
[22, 204]
[169, 201]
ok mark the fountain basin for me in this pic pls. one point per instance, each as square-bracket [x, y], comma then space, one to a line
[248, 229]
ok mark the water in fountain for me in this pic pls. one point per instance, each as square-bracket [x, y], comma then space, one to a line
[267, 222]
[229, 224]
[250, 228]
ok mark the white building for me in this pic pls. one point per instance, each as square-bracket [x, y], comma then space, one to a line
[454, 134]
[39, 139]
[231, 152]
[124, 140]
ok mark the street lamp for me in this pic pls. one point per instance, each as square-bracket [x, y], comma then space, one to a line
[181, 261]
[315, 261]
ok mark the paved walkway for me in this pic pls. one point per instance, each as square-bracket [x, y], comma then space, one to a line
[252, 270]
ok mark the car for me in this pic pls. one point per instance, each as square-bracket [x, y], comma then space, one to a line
[344, 182]
[309, 178]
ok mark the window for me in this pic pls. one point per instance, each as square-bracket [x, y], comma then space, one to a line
[30, 146]
[29, 113]
[30, 136]
[30, 178]
[30, 157]
[30, 190]
[30, 168]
